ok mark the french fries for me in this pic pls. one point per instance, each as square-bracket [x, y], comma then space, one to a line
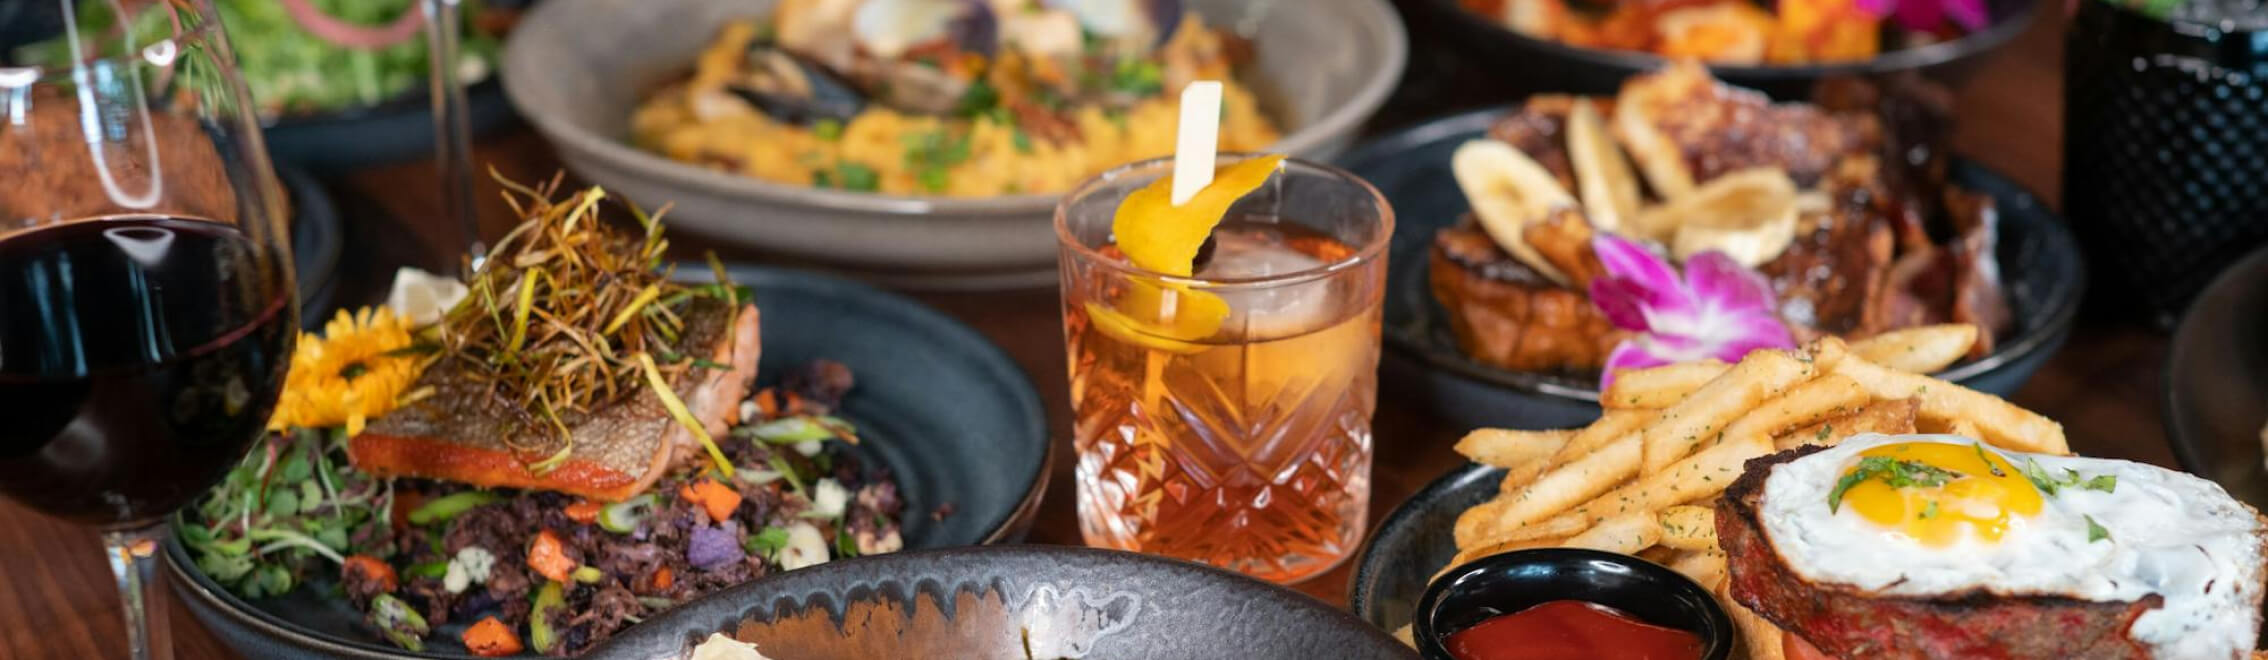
[2003, 424]
[1923, 350]
[1506, 448]
[1641, 480]
[1689, 527]
[1887, 417]
[1659, 387]
[1693, 423]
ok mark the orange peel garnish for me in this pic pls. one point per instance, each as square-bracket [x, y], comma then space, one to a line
[1158, 236]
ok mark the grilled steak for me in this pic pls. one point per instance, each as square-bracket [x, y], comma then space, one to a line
[1507, 315]
[1848, 623]
[461, 433]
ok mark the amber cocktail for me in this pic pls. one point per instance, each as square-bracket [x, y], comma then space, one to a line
[1225, 417]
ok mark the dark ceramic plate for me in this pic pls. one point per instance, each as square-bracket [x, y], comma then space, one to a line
[2217, 381]
[1014, 602]
[316, 236]
[1548, 65]
[394, 131]
[1413, 543]
[2039, 262]
[945, 410]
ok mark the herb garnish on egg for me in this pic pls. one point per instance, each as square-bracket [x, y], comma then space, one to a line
[2071, 479]
[1897, 473]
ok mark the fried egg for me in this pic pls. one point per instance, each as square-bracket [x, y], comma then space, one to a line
[1938, 515]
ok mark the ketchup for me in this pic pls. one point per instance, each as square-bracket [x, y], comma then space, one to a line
[1571, 630]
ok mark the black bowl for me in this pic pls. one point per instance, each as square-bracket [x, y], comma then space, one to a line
[951, 416]
[316, 238]
[2039, 261]
[1545, 65]
[2217, 382]
[997, 602]
[1518, 580]
[1413, 543]
[394, 131]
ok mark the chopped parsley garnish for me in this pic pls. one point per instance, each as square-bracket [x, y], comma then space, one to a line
[2050, 484]
[1823, 431]
[2095, 531]
[1929, 511]
[768, 542]
[1137, 77]
[930, 154]
[1987, 458]
[827, 129]
[858, 177]
[1023, 141]
[1896, 473]
[981, 98]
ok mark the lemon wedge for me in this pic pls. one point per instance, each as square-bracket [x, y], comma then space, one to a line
[1749, 215]
[1158, 236]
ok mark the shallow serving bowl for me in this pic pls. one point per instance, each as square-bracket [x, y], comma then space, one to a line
[952, 418]
[1014, 602]
[2040, 267]
[576, 70]
[2216, 389]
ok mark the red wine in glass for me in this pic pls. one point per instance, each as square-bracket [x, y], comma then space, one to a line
[139, 357]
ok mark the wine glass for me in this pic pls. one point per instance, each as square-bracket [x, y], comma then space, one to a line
[147, 311]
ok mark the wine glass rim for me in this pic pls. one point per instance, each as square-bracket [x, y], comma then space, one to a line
[160, 52]
[1369, 251]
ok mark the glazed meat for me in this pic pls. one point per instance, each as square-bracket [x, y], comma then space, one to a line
[1507, 315]
[462, 434]
[1708, 128]
[1539, 129]
[1846, 623]
[1839, 264]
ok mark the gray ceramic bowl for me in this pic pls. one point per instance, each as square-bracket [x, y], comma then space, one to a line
[576, 69]
[1013, 602]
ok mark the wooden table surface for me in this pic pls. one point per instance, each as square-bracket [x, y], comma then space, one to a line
[56, 599]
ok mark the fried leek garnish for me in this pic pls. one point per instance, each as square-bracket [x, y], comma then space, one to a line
[567, 316]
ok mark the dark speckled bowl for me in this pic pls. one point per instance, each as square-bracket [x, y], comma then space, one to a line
[1014, 602]
[945, 410]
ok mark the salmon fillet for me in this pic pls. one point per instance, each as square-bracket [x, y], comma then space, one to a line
[462, 434]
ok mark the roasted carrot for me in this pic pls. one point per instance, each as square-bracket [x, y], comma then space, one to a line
[583, 511]
[717, 499]
[549, 557]
[490, 638]
[663, 578]
[767, 403]
[373, 568]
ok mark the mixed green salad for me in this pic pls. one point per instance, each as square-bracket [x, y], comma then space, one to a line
[291, 71]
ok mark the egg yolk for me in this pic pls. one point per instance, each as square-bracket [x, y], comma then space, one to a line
[1982, 497]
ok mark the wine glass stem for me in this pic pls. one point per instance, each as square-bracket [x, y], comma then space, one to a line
[133, 561]
[452, 154]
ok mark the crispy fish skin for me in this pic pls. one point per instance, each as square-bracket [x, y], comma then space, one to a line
[462, 434]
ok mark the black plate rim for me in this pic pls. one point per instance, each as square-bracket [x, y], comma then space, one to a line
[207, 596]
[1360, 600]
[2186, 442]
[1287, 596]
[2060, 307]
[1919, 57]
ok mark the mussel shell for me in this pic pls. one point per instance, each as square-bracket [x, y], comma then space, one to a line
[1125, 18]
[886, 28]
[795, 90]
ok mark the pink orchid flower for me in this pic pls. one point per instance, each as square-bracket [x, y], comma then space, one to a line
[1928, 15]
[1719, 309]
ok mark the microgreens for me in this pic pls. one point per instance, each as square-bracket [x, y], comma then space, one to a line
[1896, 473]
